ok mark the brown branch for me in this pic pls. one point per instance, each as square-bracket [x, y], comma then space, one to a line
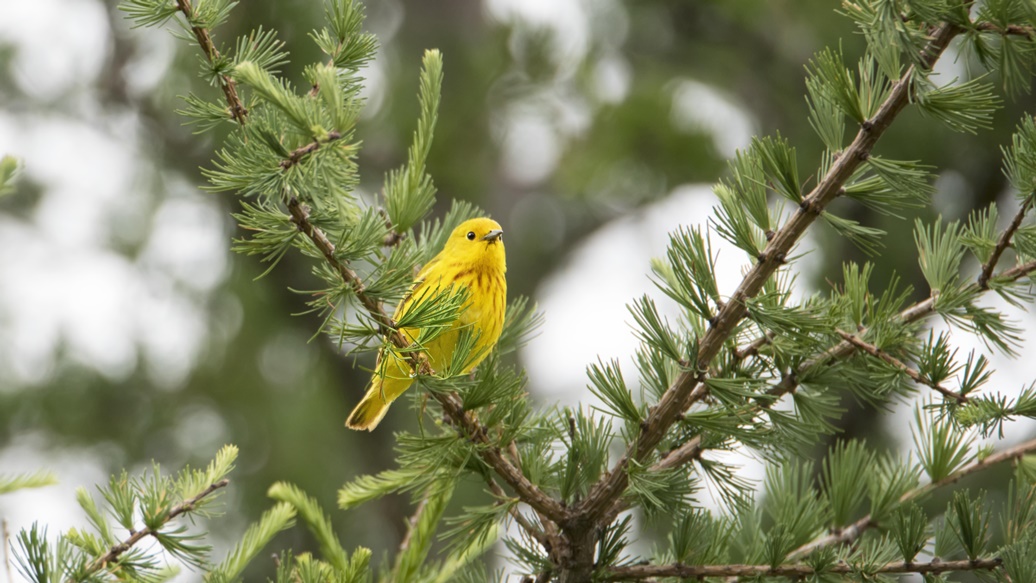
[296, 155]
[1002, 243]
[909, 315]
[853, 531]
[237, 109]
[116, 551]
[753, 347]
[1009, 30]
[537, 534]
[550, 530]
[841, 568]
[692, 448]
[688, 389]
[490, 453]
[300, 217]
[393, 238]
[913, 374]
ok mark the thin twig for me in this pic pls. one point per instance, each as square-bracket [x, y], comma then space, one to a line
[297, 154]
[300, 217]
[116, 551]
[913, 374]
[1002, 243]
[7, 550]
[537, 534]
[550, 529]
[688, 388]
[853, 531]
[412, 523]
[1009, 30]
[753, 347]
[393, 238]
[237, 109]
[841, 568]
[909, 315]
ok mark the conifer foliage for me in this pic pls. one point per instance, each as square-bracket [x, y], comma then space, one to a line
[748, 367]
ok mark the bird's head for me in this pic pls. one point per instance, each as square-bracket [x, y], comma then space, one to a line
[477, 242]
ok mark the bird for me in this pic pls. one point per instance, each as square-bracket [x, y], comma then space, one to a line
[472, 261]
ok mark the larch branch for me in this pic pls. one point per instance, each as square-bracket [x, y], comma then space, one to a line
[297, 154]
[911, 314]
[184, 507]
[876, 352]
[1009, 30]
[794, 571]
[853, 531]
[688, 388]
[226, 84]
[693, 448]
[1002, 243]
[519, 518]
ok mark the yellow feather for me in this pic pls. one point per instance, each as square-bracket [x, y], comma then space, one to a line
[473, 260]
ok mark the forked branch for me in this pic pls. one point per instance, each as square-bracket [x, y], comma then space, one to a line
[184, 507]
[852, 532]
[688, 388]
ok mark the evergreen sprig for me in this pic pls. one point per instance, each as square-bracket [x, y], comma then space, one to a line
[38, 479]
[146, 506]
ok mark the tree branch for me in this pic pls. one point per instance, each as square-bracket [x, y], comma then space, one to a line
[237, 109]
[688, 388]
[1009, 30]
[116, 551]
[913, 374]
[1002, 243]
[753, 347]
[692, 448]
[300, 216]
[412, 523]
[841, 568]
[537, 534]
[853, 531]
[911, 314]
[296, 155]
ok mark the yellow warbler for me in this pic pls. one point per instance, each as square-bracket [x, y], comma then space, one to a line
[473, 261]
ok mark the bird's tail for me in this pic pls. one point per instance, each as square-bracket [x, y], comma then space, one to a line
[385, 387]
[370, 411]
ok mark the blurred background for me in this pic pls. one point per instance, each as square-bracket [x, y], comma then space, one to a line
[588, 128]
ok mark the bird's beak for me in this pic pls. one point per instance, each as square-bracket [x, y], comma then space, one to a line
[493, 235]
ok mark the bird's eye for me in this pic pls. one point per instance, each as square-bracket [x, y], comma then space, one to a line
[471, 235]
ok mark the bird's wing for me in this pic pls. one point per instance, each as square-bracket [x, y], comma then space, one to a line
[417, 288]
